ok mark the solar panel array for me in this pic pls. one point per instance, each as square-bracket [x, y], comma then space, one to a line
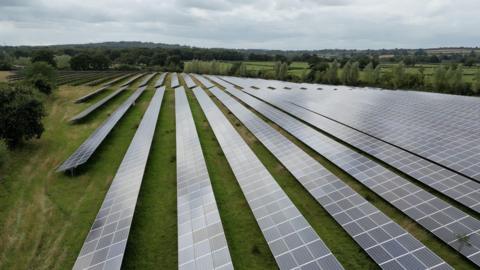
[174, 80]
[92, 94]
[443, 220]
[116, 80]
[442, 128]
[455, 186]
[188, 80]
[101, 89]
[147, 79]
[160, 80]
[203, 80]
[134, 78]
[105, 244]
[86, 150]
[451, 142]
[291, 239]
[97, 105]
[388, 244]
[201, 239]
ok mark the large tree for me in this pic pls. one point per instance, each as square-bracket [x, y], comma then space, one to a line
[44, 56]
[21, 113]
[42, 76]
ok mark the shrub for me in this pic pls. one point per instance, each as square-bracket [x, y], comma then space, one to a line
[21, 113]
[3, 153]
[42, 76]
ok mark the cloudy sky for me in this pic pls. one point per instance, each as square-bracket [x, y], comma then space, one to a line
[272, 24]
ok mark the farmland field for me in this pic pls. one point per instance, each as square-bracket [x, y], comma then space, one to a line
[45, 216]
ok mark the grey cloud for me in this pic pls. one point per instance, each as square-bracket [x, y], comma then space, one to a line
[276, 24]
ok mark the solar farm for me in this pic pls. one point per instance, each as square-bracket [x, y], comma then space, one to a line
[172, 170]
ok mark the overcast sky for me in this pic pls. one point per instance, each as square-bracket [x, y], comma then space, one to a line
[270, 24]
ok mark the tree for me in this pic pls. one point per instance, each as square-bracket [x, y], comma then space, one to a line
[63, 61]
[159, 59]
[3, 153]
[377, 75]
[345, 73]
[21, 113]
[99, 62]
[355, 73]
[398, 75]
[5, 61]
[439, 79]
[281, 70]
[369, 76]
[455, 80]
[331, 74]
[242, 70]
[42, 76]
[44, 56]
[476, 83]
[80, 62]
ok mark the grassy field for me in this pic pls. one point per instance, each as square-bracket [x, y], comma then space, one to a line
[45, 216]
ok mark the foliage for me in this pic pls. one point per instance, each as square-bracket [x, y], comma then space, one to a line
[63, 61]
[5, 61]
[44, 55]
[280, 70]
[439, 80]
[398, 76]
[476, 83]
[331, 74]
[42, 76]
[350, 73]
[86, 61]
[3, 154]
[21, 113]
[208, 67]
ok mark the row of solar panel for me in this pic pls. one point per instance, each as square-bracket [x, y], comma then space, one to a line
[386, 242]
[442, 128]
[440, 218]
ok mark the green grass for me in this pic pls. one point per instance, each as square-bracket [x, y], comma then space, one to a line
[153, 237]
[45, 216]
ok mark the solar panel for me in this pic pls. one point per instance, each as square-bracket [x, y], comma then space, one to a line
[455, 186]
[442, 128]
[97, 105]
[91, 94]
[116, 80]
[201, 239]
[160, 80]
[443, 220]
[291, 239]
[105, 244]
[345, 205]
[134, 78]
[174, 81]
[219, 81]
[147, 79]
[203, 80]
[188, 80]
[86, 150]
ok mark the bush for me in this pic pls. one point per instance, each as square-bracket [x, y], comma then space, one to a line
[21, 113]
[42, 76]
[3, 153]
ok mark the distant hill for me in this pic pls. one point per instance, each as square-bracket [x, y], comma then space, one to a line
[320, 52]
